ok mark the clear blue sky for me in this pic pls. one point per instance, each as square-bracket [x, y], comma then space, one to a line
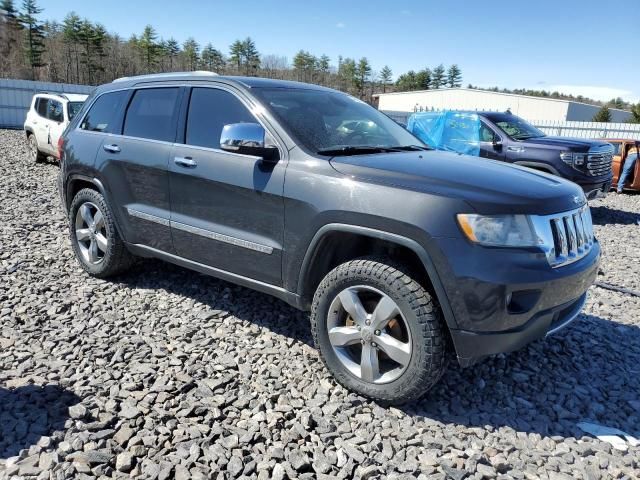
[575, 46]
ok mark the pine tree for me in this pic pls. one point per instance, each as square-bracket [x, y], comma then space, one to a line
[635, 113]
[172, 49]
[603, 115]
[454, 76]
[34, 33]
[363, 74]
[191, 51]
[236, 54]
[251, 56]
[438, 77]
[212, 58]
[385, 77]
[70, 36]
[423, 79]
[148, 45]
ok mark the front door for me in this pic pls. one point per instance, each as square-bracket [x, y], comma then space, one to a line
[41, 124]
[227, 209]
[490, 143]
[616, 163]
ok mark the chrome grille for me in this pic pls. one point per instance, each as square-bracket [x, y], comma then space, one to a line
[599, 164]
[565, 237]
[599, 159]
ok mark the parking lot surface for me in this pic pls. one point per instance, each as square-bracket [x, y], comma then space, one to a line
[166, 373]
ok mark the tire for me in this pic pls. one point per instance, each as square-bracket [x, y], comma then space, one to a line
[422, 347]
[35, 155]
[110, 255]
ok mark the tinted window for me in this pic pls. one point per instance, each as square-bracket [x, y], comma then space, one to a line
[151, 114]
[54, 111]
[103, 114]
[325, 119]
[209, 110]
[486, 134]
[41, 106]
[73, 108]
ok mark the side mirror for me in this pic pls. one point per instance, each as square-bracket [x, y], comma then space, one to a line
[497, 144]
[247, 139]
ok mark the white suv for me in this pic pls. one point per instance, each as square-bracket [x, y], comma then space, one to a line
[47, 118]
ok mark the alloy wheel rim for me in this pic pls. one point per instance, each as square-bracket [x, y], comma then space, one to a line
[369, 334]
[33, 148]
[91, 233]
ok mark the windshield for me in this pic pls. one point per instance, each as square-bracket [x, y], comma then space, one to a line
[333, 123]
[516, 127]
[73, 108]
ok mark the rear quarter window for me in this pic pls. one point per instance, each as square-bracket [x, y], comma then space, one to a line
[103, 114]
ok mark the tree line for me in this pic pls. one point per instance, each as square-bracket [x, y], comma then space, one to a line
[78, 50]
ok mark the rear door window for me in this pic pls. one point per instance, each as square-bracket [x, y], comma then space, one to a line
[103, 114]
[210, 109]
[152, 114]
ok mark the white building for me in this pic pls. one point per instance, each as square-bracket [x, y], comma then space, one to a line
[529, 108]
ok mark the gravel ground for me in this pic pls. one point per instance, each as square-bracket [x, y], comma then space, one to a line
[165, 373]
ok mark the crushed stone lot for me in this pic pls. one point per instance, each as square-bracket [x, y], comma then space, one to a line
[165, 373]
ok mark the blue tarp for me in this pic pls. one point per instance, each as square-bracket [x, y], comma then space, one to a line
[451, 131]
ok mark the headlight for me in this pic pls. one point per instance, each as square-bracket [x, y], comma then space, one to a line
[571, 158]
[498, 230]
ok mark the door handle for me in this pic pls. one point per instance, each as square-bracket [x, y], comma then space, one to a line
[112, 148]
[186, 162]
[515, 149]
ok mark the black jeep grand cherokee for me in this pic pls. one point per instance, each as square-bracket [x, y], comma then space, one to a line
[398, 252]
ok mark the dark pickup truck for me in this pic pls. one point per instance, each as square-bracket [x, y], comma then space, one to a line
[509, 138]
[317, 198]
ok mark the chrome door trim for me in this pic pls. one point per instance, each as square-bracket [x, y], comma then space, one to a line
[147, 216]
[220, 237]
[238, 242]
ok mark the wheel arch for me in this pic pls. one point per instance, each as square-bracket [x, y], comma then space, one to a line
[77, 182]
[349, 240]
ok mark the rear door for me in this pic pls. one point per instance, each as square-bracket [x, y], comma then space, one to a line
[41, 123]
[134, 165]
[55, 115]
[227, 209]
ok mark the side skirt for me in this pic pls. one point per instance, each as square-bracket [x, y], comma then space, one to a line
[278, 292]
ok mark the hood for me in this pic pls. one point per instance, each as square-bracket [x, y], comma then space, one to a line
[568, 143]
[488, 186]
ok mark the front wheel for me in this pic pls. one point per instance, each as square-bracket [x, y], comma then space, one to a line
[378, 331]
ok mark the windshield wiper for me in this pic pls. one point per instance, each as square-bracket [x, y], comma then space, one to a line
[409, 148]
[353, 150]
[364, 149]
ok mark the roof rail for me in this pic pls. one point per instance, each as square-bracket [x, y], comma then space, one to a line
[153, 76]
[57, 94]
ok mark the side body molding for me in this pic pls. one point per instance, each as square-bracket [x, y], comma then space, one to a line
[418, 249]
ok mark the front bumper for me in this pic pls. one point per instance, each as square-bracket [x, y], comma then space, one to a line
[503, 299]
[596, 190]
[472, 347]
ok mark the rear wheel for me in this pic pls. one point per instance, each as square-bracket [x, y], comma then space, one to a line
[378, 331]
[34, 153]
[94, 238]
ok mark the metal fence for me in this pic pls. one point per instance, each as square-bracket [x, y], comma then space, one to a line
[565, 128]
[589, 129]
[16, 95]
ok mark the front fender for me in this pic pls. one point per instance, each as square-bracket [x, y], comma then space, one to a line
[409, 243]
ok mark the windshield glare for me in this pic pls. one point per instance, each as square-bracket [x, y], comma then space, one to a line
[73, 108]
[325, 120]
[517, 128]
